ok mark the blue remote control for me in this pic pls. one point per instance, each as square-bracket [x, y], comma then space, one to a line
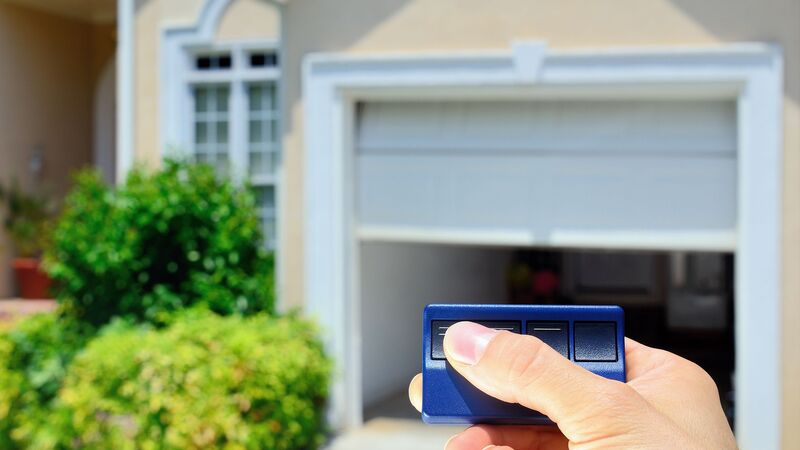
[590, 336]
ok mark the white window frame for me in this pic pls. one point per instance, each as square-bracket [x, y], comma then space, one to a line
[180, 47]
[238, 78]
[750, 74]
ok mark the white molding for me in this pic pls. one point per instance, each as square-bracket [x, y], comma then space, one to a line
[528, 57]
[722, 241]
[126, 107]
[751, 74]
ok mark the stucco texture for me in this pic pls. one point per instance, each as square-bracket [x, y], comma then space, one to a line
[47, 77]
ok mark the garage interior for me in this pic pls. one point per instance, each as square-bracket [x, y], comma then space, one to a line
[679, 301]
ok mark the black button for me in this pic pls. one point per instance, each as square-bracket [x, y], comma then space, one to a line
[554, 334]
[439, 327]
[595, 341]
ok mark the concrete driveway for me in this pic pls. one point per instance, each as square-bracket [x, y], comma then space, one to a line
[395, 434]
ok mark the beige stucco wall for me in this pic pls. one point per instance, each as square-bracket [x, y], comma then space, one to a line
[151, 17]
[386, 26]
[49, 65]
[249, 19]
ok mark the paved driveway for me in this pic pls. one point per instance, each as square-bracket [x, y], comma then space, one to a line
[12, 309]
[395, 434]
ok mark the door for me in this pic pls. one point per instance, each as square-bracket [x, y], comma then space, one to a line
[620, 174]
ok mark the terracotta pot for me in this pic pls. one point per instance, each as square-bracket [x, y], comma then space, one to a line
[32, 282]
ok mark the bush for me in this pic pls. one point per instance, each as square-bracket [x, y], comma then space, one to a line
[35, 355]
[203, 382]
[159, 243]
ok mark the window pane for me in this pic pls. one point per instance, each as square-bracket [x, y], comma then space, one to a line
[258, 60]
[256, 97]
[260, 163]
[222, 163]
[201, 132]
[222, 132]
[213, 62]
[201, 99]
[203, 62]
[274, 156]
[273, 131]
[265, 197]
[256, 131]
[265, 202]
[262, 129]
[263, 59]
[270, 235]
[211, 127]
[222, 98]
[269, 105]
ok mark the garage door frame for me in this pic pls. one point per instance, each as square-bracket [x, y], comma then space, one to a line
[750, 74]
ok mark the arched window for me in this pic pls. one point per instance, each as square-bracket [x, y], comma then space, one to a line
[221, 103]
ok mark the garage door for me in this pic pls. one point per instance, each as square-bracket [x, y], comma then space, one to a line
[624, 174]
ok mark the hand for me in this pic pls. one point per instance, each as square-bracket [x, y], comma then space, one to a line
[667, 403]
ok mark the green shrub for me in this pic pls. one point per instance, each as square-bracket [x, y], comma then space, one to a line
[160, 242]
[34, 356]
[203, 382]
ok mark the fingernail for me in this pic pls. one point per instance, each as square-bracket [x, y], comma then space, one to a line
[465, 342]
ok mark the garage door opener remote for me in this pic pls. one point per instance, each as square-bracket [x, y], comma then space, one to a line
[590, 336]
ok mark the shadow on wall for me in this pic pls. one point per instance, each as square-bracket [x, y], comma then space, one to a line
[447, 24]
[351, 25]
[775, 21]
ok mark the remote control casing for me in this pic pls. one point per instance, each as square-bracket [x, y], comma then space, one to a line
[448, 398]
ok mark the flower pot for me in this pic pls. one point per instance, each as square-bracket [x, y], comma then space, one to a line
[32, 282]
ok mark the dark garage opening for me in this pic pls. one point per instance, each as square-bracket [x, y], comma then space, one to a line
[678, 301]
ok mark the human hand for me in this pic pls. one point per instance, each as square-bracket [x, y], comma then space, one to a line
[667, 403]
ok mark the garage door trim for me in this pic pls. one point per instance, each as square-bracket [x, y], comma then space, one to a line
[750, 73]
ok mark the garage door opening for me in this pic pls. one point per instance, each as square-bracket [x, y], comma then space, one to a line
[678, 301]
[660, 149]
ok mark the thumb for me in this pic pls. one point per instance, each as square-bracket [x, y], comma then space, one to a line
[522, 369]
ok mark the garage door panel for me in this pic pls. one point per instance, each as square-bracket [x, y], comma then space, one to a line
[597, 126]
[520, 192]
[548, 197]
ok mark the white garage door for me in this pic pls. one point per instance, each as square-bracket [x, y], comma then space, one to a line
[625, 174]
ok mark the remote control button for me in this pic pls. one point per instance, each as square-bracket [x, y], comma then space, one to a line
[554, 334]
[595, 341]
[439, 327]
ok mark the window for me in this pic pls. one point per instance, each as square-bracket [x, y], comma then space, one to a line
[213, 62]
[263, 59]
[234, 123]
[211, 125]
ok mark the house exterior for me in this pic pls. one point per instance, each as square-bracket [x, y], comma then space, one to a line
[332, 110]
